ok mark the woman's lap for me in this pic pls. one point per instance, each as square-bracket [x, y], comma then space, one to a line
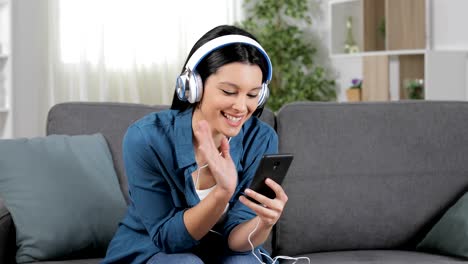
[182, 258]
[212, 249]
[191, 258]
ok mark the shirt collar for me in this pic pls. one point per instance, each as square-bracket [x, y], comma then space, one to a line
[183, 136]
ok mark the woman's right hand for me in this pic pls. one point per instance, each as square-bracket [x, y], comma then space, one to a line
[221, 166]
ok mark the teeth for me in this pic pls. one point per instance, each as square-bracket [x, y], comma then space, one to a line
[235, 119]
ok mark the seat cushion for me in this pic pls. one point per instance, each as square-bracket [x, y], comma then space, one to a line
[380, 257]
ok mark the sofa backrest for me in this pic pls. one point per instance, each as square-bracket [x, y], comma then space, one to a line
[369, 175]
[109, 119]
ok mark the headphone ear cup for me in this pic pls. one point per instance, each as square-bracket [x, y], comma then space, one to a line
[263, 96]
[195, 88]
[181, 85]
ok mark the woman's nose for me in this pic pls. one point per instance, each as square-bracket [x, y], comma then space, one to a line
[240, 104]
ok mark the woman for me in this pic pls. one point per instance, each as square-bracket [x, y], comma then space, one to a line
[187, 167]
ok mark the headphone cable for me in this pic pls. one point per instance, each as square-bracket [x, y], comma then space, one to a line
[275, 259]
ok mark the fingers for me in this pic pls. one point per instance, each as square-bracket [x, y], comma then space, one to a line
[205, 140]
[263, 200]
[266, 214]
[269, 210]
[276, 204]
[225, 148]
[207, 145]
[202, 132]
[279, 192]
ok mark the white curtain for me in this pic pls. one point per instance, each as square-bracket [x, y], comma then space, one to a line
[126, 50]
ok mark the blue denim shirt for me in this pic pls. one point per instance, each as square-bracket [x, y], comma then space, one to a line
[159, 161]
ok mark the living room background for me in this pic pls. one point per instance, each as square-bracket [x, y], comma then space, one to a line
[31, 68]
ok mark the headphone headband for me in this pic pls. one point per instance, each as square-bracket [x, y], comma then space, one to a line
[222, 41]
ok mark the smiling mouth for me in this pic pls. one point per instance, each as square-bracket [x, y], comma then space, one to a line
[232, 118]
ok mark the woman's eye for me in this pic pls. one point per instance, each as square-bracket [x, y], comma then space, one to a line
[228, 92]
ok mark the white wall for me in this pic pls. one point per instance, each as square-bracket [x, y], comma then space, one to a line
[449, 21]
[29, 66]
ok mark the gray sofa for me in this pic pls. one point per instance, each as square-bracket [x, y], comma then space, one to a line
[368, 180]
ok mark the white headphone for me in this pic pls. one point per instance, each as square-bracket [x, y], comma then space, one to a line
[189, 85]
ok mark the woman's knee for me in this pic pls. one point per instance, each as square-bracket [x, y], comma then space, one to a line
[182, 258]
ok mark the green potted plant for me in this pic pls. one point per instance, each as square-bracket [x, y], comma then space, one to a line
[353, 93]
[279, 26]
[415, 89]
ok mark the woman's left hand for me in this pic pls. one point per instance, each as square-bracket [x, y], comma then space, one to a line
[269, 210]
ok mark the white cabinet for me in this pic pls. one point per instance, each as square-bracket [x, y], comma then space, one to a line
[5, 69]
[394, 40]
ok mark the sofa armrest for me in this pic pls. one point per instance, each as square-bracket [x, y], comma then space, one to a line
[7, 236]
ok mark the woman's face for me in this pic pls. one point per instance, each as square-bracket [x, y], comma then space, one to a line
[230, 96]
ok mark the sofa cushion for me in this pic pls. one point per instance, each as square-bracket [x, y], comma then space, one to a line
[369, 175]
[109, 119]
[450, 235]
[379, 256]
[62, 193]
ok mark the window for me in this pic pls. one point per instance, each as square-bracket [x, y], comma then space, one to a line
[124, 33]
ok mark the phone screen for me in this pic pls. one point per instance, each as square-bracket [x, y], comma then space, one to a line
[273, 166]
